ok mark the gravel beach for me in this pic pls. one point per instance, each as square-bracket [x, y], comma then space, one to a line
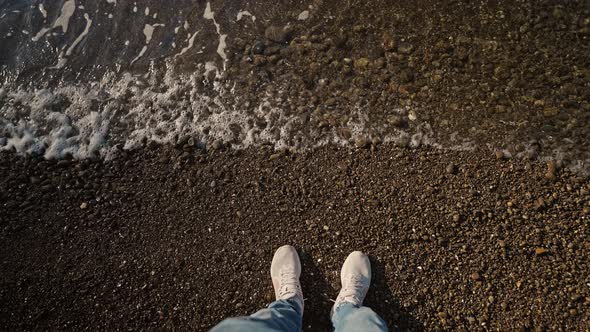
[156, 240]
[154, 155]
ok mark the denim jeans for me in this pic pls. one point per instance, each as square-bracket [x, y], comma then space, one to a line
[284, 316]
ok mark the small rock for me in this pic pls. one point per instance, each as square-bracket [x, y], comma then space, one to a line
[396, 121]
[406, 76]
[388, 42]
[275, 156]
[361, 63]
[551, 170]
[361, 142]
[539, 204]
[304, 15]
[259, 60]
[326, 228]
[258, 48]
[541, 251]
[345, 133]
[550, 111]
[475, 276]
[217, 145]
[405, 48]
[84, 206]
[451, 169]
[277, 34]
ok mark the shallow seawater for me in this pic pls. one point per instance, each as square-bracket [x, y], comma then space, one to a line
[85, 78]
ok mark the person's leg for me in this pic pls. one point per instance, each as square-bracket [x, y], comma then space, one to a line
[286, 313]
[348, 314]
[349, 317]
[281, 315]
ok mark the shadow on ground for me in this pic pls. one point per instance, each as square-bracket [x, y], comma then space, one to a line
[381, 300]
[317, 292]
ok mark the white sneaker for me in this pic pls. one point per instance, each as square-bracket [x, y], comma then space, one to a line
[285, 271]
[356, 279]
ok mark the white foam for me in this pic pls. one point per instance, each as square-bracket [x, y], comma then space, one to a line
[129, 110]
[63, 58]
[210, 15]
[148, 31]
[191, 42]
[42, 10]
[243, 13]
[63, 21]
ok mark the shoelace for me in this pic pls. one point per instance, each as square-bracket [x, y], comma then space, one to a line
[289, 283]
[351, 291]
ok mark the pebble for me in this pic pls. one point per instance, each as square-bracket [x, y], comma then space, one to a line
[550, 111]
[451, 169]
[277, 34]
[405, 48]
[396, 121]
[541, 251]
[217, 145]
[551, 170]
[406, 76]
[84, 206]
[361, 63]
[259, 60]
[63, 163]
[258, 48]
[475, 276]
[275, 156]
[361, 142]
